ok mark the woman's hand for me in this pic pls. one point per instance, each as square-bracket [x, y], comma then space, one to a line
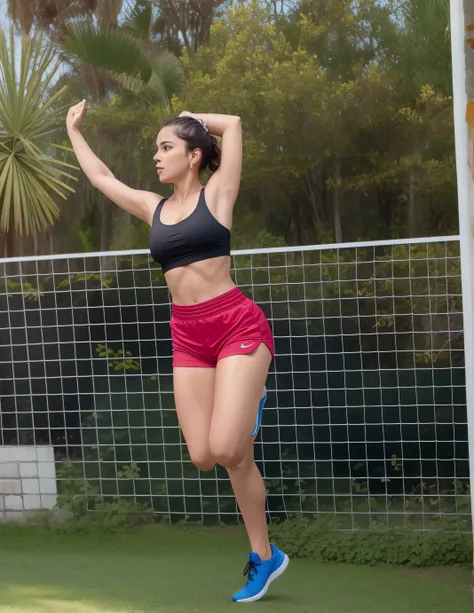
[186, 114]
[75, 116]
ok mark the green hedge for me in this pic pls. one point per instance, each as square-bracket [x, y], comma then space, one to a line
[307, 538]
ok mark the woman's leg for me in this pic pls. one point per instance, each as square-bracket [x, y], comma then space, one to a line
[249, 489]
[194, 399]
[239, 387]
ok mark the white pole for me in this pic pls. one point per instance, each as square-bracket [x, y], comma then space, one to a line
[465, 168]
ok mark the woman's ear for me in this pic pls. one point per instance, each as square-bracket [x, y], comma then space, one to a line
[196, 157]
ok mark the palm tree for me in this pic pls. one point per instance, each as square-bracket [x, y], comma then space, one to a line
[49, 16]
[186, 24]
[31, 176]
[110, 64]
[125, 63]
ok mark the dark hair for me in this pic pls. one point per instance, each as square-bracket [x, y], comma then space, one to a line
[197, 137]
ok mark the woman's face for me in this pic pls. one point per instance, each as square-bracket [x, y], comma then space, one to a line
[172, 157]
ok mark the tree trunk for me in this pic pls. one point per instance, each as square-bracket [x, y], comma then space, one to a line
[411, 205]
[337, 201]
[105, 226]
[107, 12]
[11, 242]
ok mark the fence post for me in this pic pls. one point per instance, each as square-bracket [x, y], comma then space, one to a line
[462, 14]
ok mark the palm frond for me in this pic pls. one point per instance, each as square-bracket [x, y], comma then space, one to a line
[139, 19]
[131, 61]
[112, 50]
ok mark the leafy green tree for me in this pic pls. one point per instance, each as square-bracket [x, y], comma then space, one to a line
[331, 153]
[423, 53]
[347, 136]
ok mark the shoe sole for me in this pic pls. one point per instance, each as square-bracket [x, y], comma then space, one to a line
[275, 574]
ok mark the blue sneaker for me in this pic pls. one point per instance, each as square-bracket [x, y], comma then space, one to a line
[260, 574]
[259, 412]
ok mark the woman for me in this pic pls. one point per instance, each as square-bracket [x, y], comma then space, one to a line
[222, 342]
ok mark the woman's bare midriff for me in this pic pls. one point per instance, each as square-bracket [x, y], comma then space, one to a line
[200, 281]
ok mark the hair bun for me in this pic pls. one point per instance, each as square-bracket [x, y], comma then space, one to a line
[215, 156]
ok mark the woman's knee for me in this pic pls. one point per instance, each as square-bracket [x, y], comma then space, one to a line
[203, 460]
[227, 455]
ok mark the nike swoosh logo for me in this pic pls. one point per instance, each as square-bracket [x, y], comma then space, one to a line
[246, 346]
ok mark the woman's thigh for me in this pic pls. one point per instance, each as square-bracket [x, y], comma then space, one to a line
[240, 380]
[194, 398]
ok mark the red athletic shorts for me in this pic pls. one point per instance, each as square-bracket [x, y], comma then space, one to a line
[230, 324]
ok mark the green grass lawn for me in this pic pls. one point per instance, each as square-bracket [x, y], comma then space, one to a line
[195, 570]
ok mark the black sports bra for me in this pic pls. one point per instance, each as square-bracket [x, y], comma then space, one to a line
[197, 237]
